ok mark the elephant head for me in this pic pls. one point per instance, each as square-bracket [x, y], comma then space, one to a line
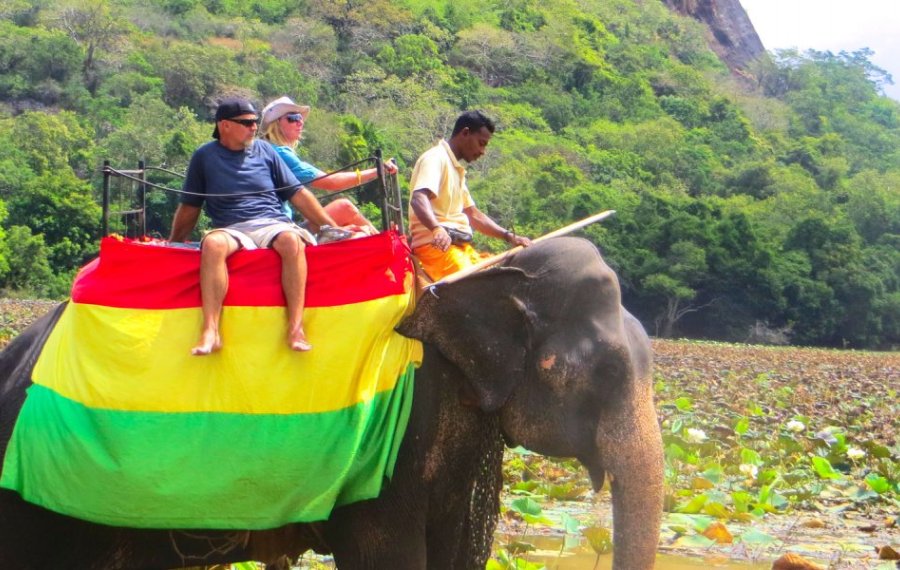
[544, 342]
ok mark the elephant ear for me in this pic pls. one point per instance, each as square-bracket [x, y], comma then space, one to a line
[481, 325]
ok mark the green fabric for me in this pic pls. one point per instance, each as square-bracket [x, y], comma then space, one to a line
[193, 457]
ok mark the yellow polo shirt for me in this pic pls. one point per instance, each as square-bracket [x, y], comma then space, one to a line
[439, 171]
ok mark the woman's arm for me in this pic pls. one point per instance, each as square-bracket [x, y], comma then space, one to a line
[344, 180]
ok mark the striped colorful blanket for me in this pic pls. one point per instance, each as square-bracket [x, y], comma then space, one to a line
[122, 426]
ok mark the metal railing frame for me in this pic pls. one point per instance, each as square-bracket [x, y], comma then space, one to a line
[386, 185]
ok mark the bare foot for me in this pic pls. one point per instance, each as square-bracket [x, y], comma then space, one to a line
[297, 341]
[209, 343]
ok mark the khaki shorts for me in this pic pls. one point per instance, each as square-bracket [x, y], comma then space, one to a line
[260, 233]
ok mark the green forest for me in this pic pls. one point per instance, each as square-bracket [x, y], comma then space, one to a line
[759, 205]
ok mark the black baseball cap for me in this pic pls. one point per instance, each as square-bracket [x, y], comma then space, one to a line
[230, 108]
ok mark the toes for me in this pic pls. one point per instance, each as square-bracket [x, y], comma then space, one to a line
[207, 346]
[201, 350]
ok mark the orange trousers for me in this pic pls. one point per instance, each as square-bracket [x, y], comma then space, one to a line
[438, 264]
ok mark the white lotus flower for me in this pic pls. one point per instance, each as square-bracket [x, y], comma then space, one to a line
[749, 470]
[795, 426]
[855, 453]
[696, 435]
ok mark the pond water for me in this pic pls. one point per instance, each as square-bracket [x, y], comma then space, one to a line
[585, 561]
[583, 558]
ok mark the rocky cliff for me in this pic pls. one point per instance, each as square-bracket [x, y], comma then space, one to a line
[732, 34]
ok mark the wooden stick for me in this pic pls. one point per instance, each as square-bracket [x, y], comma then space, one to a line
[494, 260]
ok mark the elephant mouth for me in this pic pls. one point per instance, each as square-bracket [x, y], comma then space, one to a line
[596, 471]
[467, 396]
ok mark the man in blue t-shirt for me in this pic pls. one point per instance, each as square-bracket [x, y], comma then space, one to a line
[242, 181]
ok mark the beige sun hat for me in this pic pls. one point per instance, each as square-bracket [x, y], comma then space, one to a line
[279, 108]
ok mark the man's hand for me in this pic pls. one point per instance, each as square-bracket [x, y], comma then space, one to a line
[516, 240]
[421, 206]
[307, 204]
[481, 222]
[440, 238]
[184, 222]
[360, 231]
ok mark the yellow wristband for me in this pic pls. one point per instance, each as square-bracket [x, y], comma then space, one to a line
[358, 177]
[435, 229]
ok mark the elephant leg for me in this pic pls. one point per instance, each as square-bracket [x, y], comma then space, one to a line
[462, 521]
[374, 535]
[462, 538]
[630, 446]
[34, 538]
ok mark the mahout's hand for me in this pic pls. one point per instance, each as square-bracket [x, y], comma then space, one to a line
[519, 240]
[440, 238]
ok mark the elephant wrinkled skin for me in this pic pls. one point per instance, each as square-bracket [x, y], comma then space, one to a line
[538, 353]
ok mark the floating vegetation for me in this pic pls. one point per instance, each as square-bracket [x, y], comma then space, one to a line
[767, 450]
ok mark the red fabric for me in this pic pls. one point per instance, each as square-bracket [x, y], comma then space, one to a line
[131, 274]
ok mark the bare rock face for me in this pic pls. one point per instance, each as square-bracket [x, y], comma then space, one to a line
[733, 36]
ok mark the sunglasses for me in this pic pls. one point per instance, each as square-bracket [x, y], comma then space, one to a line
[294, 118]
[246, 122]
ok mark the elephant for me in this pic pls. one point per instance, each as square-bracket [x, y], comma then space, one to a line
[537, 351]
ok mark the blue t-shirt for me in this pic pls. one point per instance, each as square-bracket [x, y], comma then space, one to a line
[215, 169]
[304, 172]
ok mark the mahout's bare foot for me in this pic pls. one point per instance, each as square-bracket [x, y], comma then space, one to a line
[209, 343]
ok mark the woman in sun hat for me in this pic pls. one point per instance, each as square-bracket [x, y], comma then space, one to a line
[282, 125]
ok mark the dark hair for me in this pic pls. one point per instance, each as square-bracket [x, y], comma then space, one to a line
[474, 120]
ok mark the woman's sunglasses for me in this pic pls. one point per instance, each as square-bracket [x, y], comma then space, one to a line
[246, 122]
[294, 118]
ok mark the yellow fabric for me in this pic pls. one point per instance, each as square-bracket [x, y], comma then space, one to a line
[439, 171]
[438, 264]
[93, 350]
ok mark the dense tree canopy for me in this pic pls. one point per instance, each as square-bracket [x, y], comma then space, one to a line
[767, 202]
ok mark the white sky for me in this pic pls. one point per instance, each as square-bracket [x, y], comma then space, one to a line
[832, 25]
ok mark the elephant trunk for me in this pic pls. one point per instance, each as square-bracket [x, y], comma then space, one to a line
[631, 452]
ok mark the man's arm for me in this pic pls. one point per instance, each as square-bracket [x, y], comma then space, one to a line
[307, 204]
[483, 223]
[421, 206]
[184, 222]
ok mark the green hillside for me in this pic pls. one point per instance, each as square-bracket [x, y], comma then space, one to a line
[767, 201]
